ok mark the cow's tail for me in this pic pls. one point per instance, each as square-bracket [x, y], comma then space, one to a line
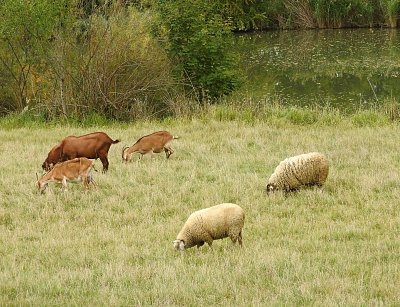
[116, 141]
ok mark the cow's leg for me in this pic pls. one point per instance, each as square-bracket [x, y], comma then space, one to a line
[93, 182]
[64, 184]
[90, 179]
[85, 181]
[104, 160]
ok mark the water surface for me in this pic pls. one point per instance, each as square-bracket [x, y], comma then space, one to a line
[342, 68]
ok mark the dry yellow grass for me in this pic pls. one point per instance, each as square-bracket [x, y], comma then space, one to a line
[113, 245]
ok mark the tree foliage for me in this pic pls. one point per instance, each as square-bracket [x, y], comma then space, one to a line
[26, 33]
[200, 45]
[72, 57]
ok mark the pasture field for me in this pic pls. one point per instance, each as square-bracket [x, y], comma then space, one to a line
[113, 245]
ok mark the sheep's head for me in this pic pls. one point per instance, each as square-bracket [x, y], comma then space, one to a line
[270, 188]
[179, 245]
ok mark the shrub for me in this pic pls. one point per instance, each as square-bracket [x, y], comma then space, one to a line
[128, 75]
[200, 45]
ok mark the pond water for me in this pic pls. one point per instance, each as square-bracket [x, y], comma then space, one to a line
[347, 68]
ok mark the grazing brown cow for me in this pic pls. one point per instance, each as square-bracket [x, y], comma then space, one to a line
[152, 143]
[92, 146]
[71, 170]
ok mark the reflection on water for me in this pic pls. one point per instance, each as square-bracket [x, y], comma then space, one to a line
[343, 68]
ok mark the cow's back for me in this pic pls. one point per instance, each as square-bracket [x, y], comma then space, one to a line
[88, 145]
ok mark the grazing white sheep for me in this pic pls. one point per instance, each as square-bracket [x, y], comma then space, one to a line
[206, 225]
[292, 173]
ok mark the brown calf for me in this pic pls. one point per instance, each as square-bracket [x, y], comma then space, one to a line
[71, 170]
[152, 143]
[92, 146]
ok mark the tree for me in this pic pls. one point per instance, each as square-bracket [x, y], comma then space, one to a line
[200, 44]
[26, 29]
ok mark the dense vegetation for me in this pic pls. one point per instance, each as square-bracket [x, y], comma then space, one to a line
[141, 59]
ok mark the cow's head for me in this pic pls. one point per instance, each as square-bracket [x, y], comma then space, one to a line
[125, 155]
[46, 166]
[40, 185]
[53, 157]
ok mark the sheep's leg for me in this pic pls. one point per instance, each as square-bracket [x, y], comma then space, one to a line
[236, 238]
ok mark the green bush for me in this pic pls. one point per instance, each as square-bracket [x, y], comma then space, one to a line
[200, 45]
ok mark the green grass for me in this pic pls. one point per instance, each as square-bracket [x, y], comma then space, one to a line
[113, 245]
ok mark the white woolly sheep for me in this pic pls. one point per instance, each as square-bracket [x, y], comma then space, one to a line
[302, 170]
[217, 222]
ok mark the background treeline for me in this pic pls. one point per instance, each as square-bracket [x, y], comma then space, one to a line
[125, 60]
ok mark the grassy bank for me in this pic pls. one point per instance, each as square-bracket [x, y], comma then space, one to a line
[246, 110]
[113, 245]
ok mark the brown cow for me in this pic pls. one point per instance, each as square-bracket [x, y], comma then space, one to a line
[92, 146]
[152, 143]
[71, 170]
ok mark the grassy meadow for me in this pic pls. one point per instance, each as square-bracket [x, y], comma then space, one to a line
[113, 245]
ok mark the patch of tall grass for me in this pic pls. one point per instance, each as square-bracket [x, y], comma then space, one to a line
[306, 14]
[246, 110]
